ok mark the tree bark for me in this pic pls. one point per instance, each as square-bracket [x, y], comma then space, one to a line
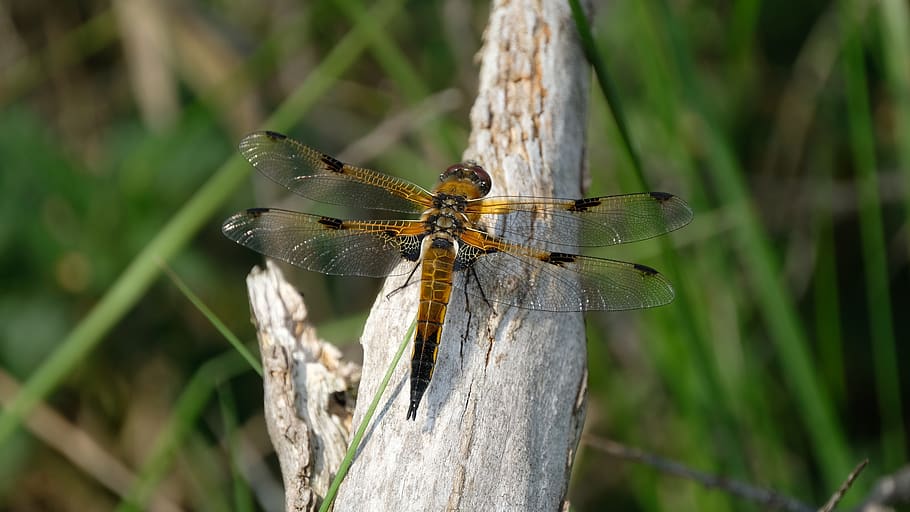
[500, 422]
[306, 389]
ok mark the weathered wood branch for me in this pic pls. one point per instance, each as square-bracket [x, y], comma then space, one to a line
[306, 389]
[501, 420]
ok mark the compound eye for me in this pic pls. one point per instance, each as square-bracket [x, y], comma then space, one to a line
[482, 178]
[470, 171]
[452, 169]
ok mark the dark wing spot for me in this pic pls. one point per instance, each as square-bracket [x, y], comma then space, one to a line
[331, 222]
[582, 205]
[661, 196]
[482, 178]
[332, 163]
[275, 135]
[256, 212]
[644, 269]
[558, 258]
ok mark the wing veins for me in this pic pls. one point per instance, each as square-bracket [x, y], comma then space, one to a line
[587, 222]
[326, 244]
[525, 277]
[310, 173]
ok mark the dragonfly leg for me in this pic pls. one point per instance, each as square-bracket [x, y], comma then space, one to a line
[407, 282]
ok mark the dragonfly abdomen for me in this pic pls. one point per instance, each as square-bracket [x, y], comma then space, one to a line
[435, 290]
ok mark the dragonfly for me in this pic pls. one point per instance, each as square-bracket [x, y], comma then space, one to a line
[517, 251]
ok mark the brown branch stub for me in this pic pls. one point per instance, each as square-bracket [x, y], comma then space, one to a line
[302, 380]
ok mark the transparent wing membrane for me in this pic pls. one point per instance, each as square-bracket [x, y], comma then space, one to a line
[589, 222]
[318, 176]
[325, 244]
[551, 281]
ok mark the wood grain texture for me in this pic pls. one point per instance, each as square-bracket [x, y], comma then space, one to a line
[500, 422]
[304, 378]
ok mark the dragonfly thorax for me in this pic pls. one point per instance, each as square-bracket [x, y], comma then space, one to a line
[444, 220]
[444, 201]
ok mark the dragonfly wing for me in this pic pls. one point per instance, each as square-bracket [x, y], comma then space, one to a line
[589, 222]
[512, 274]
[318, 176]
[326, 244]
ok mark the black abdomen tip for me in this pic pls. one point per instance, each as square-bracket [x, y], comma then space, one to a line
[412, 410]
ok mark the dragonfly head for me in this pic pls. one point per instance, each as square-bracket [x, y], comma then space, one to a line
[471, 173]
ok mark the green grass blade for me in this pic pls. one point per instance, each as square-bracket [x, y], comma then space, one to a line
[878, 298]
[358, 436]
[137, 277]
[331, 68]
[243, 500]
[396, 66]
[214, 320]
[606, 86]
[826, 294]
[187, 410]
[124, 293]
[390, 57]
[691, 349]
[772, 298]
[895, 20]
[745, 20]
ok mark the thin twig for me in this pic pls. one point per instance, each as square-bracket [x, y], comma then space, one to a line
[839, 495]
[764, 497]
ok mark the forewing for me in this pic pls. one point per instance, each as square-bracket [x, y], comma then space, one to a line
[326, 244]
[589, 222]
[520, 276]
[318, 176]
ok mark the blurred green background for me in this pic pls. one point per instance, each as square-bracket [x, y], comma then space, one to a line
[786, 126]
